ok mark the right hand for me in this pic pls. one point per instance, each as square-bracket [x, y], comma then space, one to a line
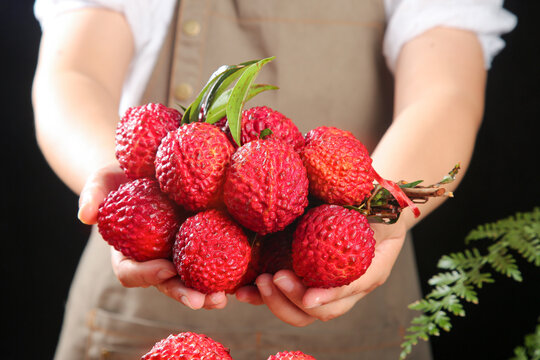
[160, 273]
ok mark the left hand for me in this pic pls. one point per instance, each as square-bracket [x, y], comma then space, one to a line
[297, 305]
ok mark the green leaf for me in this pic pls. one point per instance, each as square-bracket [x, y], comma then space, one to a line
[445, 278]
[266, 132]
[452, 304]
[217, 110]
[451, 175]
[520, 233]
[467, 259]
[465, 291]
[221, 84]
[192, 112]
[411, 184]
[442, 320]
[504, 263]
[440, 291]
[238, 97]
[478, 278]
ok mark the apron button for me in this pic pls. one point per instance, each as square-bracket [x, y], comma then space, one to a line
[183, 91]
[192, 28]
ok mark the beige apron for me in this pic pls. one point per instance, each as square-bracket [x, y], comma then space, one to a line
[330, 71]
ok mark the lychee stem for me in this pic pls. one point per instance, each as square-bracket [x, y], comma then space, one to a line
[398, 193]
[383, 205]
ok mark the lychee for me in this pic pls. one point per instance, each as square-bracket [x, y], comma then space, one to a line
[211, 252]
[191, 163]
[332, 246]
[138, 135]
[266, 186]
[139, 220]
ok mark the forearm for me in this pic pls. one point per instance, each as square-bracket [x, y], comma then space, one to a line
[77, 89]
[75, 129]
[440, 82]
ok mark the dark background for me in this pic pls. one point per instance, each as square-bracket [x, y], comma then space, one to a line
[43, 239]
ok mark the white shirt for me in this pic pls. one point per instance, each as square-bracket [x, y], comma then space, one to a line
[406, 19]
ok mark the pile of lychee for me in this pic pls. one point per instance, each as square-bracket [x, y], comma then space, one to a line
[227, 208]
[193, 346]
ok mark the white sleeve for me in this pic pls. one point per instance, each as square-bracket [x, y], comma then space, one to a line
[148, 20]
[407, 19]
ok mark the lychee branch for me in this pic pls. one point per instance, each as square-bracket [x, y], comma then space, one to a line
[382, 206]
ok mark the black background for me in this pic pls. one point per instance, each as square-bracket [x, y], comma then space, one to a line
[42, 238]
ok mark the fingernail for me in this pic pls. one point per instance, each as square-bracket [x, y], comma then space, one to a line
[184, 299]
[265, 289]
[284, 284]
[315, 303]
[83, 201]
[165, 274]
[215, 298]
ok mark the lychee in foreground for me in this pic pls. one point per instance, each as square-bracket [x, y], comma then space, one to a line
[332, 246]
[187, 346]
[211, 252]
[139, 220]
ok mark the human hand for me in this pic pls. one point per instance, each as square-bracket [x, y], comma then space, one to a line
[160, 273]
[295, 304]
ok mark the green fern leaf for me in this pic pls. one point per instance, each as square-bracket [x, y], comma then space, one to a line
[442, 320]
[527, 245]
[531, 348]
[504, 263]
[446, 278]
[466, 272]
[478, 278]
[467, 259]
[466, 291]
[440, 291]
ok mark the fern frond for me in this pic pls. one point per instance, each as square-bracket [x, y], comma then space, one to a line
[465, 272]
[470, 258]
[528, 244]
[530, 350]
[478, 278]
[504, 263]
[445, 278]
[466, 292]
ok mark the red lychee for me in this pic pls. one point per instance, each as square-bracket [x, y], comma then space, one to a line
[139, 220]
[291, 355]
[211, 252]
[332, 246]
[266, 186]
[259, 118]
[339, 169]
[191, 163]
[325, 130]
[188, 346]
[138, 135]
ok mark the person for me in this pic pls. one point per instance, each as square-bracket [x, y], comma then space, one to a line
[406, 77]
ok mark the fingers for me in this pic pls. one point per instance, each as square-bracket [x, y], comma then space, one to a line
[280, 305]
[292, 302]
[131, 273]
[175, 289]
[96, 188]
[162, 274]
[296, 292]
[250, 295]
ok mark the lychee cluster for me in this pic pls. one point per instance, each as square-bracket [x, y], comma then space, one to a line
[194, 346]
[225, 212]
